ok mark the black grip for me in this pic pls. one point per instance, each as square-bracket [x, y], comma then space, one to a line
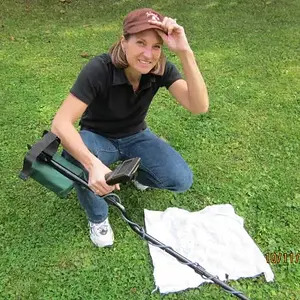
[107, 177]
[124, 172]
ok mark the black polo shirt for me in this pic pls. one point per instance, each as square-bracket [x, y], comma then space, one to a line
[114, 109]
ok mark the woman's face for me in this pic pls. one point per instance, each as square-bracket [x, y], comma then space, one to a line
[143, 50]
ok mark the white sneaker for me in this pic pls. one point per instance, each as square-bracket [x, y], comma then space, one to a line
[101, 234]
[140, 186]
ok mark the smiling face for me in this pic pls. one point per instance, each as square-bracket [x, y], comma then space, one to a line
[142, 51]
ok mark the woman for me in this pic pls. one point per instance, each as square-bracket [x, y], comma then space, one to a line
[111, 96]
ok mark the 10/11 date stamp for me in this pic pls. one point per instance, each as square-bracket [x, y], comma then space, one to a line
[282, 257]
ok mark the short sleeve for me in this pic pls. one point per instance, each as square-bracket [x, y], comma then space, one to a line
[91, 80]
[170, 75]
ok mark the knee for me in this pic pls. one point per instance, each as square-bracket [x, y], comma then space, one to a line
[182, 180]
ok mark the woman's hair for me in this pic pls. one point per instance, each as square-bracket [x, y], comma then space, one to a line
[119, 58]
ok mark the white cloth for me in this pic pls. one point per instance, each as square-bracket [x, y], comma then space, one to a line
[213, 237]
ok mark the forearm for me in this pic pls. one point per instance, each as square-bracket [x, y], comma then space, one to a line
[72, 142]
[197, 91]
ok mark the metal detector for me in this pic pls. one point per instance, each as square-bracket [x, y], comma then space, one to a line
[51, 170]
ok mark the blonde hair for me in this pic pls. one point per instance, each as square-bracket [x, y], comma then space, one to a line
[119, 60]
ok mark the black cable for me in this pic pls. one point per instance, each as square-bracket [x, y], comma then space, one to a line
[152, 241]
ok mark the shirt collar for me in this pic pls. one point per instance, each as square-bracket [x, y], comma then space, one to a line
[120, 78]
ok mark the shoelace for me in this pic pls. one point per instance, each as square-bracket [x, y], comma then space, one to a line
[100, 228]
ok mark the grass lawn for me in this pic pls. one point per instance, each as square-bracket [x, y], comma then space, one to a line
[244, 151]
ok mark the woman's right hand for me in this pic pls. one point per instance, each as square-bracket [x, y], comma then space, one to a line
[97, 180]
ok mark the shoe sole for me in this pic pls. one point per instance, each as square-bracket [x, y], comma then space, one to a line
[102, 246]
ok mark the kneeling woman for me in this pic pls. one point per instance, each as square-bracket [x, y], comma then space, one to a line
[111, 96]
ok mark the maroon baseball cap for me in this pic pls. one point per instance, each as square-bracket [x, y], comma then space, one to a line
[137, 20]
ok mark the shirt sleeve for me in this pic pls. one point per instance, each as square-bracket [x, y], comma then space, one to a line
[170, 75]
[91, 80]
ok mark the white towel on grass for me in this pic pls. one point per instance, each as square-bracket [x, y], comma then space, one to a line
[214, 237]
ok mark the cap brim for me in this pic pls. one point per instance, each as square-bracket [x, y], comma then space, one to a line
[144, 27]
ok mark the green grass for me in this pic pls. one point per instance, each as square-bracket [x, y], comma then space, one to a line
[245, 151]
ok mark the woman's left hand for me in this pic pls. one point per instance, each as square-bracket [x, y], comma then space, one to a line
[172, 34]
